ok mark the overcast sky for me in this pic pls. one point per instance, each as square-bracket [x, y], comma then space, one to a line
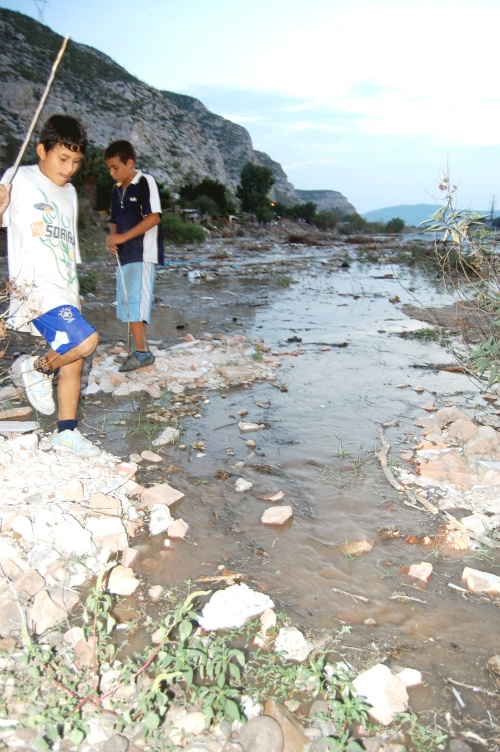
[374, 100]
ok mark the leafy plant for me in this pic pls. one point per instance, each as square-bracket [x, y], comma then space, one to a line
[422, 738]
[465, 249]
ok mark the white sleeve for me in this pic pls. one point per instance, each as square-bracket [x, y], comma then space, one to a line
[6, 180]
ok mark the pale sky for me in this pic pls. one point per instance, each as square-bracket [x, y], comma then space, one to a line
[372, 99]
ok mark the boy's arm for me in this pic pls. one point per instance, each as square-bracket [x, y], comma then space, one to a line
[4, 200]
[144, 225]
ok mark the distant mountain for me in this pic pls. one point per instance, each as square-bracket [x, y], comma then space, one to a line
[327, 201]
[411, 214]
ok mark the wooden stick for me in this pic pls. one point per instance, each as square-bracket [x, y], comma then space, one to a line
[39, 109]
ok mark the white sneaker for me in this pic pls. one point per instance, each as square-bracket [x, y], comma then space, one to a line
[74, 442]
[38, 387]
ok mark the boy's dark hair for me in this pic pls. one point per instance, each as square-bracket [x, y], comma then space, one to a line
[65, 130]
[121, 149]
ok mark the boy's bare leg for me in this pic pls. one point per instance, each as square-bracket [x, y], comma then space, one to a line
[54, 360]
[138, 329]
[68, 389]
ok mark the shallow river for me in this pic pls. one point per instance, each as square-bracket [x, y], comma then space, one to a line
[318, 447]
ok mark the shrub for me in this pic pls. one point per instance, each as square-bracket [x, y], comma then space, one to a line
[177, 231]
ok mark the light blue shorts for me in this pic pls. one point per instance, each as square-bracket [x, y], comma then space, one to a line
[134, 303]
[63, 327]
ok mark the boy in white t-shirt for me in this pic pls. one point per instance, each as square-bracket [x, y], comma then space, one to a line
[40, 210]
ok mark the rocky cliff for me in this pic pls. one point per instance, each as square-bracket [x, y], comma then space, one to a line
[176, 137]
[327, 201]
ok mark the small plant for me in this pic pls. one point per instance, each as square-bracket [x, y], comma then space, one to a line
[283, 280]
[422, 738]
[257, 356]
[341, 450]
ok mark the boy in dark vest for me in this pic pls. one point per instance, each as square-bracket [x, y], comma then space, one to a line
[135, 239]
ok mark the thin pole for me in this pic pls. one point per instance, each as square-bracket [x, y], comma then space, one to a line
[125, 297]
[39, 109]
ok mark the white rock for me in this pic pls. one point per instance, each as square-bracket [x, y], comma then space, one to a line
[233, 607]
[248, 427]
[160, 519]
[121, 581]
[384, 692]
[167, 436]
[410, 677]
[481, 582]
[293, 644]
[276, 515]
[242, 485]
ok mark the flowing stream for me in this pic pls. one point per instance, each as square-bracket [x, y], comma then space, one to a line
[318, 447]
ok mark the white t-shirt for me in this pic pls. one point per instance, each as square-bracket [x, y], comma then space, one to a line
[42, 242]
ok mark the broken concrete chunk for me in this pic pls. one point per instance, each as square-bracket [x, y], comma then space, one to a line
[121, 581]
[233, 607]
[481, 582]
[242, 485]
[385, 693]
[163, 493]
[276, 515]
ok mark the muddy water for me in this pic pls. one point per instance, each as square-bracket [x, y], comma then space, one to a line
[317, 446]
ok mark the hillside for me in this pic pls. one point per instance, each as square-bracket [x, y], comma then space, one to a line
[327, 201]
[177, 138]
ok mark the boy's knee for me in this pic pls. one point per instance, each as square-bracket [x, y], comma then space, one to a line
[88, 345]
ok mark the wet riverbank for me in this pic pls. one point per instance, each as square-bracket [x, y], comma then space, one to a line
[333, 324]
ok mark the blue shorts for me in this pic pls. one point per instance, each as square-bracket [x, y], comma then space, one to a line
[135, 303]
[63, 327]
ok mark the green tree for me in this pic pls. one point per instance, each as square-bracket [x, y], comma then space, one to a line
[255, 183]
[326, 220]
[395, 225]
[212, 189]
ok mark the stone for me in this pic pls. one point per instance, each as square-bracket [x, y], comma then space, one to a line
[28, 585]
[275, 497]
[44, 613]
[246, 427]
[121, 581]
[462, 430]
[151, 456]
[178, 529]
[481, 582]
[293, 644]
[410, 677]
[242, 485]
[276, 515]
[233, 607]
[116, 743]
[73, 491]
[168, 436]
[294, 737]
[160, 494]
[422, 571]
[385, 693]
[449, 415]
[10, 617]
[160, 519]
[130, 557]
[108, 532]
[105, 503]
[155, 592]
[262, 733]
[357, 547]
